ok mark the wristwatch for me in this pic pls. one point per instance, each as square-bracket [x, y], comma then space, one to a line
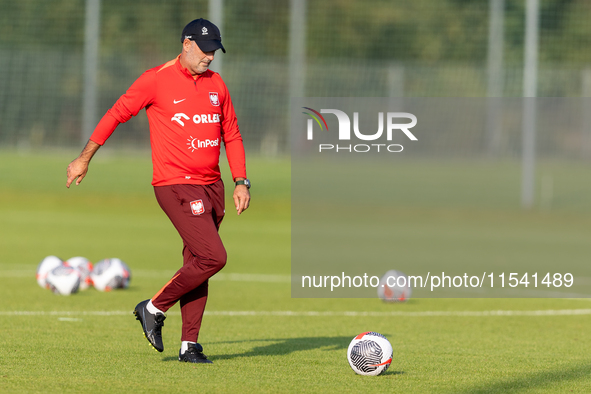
[244, 182]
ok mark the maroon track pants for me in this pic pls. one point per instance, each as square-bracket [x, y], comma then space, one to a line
[196, 211]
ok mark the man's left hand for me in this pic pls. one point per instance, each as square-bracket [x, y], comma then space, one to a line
[241, 198]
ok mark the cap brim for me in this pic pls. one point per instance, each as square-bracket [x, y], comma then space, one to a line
[210, 45]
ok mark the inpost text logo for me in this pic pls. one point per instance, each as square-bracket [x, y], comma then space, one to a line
[396, 122]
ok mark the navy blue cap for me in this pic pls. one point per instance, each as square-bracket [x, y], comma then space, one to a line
[205, 34]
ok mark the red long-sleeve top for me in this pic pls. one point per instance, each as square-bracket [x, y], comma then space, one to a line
[189, 119]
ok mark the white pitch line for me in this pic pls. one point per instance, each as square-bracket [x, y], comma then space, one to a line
[549, 312]
[68, 319]
[65, 313]
[252, 278]
[231, 277]
[559, 312]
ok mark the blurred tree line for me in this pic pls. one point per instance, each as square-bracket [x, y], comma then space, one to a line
[414, 48]
[424, 31]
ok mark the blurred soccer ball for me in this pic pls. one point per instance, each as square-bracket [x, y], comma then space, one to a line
[394, 287]
[370, 354]
[84, 267]
[46, 265]
[109, 274]
[63, 280]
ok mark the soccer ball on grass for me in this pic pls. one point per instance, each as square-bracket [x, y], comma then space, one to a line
[46, 265]
[394, 287]
[63, 280]
[109, 274]
[84, 267]
[369, 354]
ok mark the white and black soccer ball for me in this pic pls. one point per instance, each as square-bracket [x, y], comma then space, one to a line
[369, 354]
[84, 267]
[46, 265]
[109, 274]
[394, 287]
[63, 280]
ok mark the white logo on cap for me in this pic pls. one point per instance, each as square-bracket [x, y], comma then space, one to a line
[189, 37]
[204, 31]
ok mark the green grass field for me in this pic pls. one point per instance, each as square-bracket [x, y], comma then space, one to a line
[259, 338]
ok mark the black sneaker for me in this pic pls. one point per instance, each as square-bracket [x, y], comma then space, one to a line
[151, 324]
[194, 354]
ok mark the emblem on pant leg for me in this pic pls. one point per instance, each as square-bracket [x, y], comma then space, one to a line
[197, 207]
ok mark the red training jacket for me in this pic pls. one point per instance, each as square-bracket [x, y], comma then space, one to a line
[189, 118]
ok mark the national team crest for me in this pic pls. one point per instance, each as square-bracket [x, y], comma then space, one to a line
[197, 207]
[214, 99]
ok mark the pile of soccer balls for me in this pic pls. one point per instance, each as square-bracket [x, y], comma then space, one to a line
[78, 273]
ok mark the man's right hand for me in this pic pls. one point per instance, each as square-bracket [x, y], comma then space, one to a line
[77, 171]
[79, 167]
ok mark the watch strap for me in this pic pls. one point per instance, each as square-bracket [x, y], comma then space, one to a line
[245, 182]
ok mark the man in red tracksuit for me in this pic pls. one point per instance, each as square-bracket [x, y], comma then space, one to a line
[190, 114]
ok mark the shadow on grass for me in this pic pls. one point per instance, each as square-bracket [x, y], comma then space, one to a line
[536, 380]
[284, 346]
[279, 347]
[392, 372]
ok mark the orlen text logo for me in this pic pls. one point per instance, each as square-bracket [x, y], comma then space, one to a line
[199, 118]
[393, 124]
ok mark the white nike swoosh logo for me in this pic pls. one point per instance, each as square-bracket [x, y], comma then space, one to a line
[176, 102]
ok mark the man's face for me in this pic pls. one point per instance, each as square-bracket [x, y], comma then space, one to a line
[197, 61]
